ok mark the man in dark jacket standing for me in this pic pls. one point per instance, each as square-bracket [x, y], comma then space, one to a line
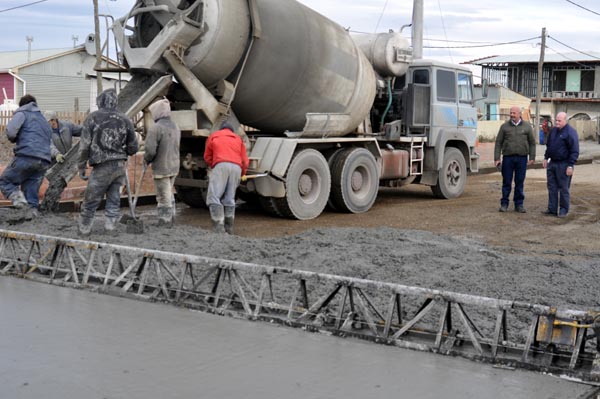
[162, 151]
[107, 139]
[516, 142]
[31, 133]
[562, 151]
[225, 154]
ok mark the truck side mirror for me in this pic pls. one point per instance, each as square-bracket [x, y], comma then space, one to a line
[484, 88]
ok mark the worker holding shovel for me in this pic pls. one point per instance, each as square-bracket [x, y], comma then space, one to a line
[225, 154]
[107, 139]
[162, 151]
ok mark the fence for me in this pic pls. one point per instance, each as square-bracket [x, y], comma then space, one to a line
[75, 117]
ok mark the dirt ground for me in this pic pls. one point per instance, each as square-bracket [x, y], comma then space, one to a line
[463, 245]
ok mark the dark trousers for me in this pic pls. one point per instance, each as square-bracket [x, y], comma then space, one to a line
[558, 187]
[106, 178]
[513, 167]
[26, 172]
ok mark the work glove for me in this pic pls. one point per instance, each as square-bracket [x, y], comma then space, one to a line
[82, 174]
[60, 158]
[244, 178]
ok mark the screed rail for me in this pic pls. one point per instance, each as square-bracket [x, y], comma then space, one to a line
[508, 333]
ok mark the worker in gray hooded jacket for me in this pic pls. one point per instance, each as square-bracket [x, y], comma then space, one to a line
[62, 134]
[107, 139]
[162, 152]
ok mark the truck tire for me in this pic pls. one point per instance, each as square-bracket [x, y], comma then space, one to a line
[331, 156]
[355, 181]
[452, 176]
[269, 205]
[194, 197]
[307, 186]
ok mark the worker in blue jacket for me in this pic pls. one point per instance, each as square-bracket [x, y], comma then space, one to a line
[32, 135]
[562, 151]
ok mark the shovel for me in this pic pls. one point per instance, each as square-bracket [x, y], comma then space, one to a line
[248, 177]
[134, 225]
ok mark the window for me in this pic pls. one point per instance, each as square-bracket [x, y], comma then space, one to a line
[465, 92]
[446, 86]
[421, 76]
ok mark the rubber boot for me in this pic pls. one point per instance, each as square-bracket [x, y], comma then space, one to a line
[165, 216]
[85, 226]
[110, 224]
[18, 199]
[229, 216]
[218, 218]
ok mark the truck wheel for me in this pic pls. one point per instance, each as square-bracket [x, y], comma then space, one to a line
[307, 186]
[331, 156]
[355, 181]
[452, 176]
[194, 197]
[269, 205]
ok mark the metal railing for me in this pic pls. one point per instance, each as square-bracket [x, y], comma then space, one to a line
[509, 333]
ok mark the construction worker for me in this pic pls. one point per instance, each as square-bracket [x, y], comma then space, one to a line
[33, 153]
[62, 134]
[162, 151]
[107, 138]
[225, 154]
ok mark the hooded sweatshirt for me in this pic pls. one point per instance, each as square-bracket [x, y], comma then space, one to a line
[162, 142]
[31, 132]
[107, 134]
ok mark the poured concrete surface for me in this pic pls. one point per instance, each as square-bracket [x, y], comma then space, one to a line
[64, 343]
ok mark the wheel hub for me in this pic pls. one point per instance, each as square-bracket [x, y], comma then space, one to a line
[356, 181]
[305, 184]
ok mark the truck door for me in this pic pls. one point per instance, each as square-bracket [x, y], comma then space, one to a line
[467, 113]
[444, 103]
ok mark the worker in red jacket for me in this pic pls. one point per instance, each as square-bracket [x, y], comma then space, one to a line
[225, 154]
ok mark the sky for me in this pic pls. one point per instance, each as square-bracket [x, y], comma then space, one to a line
[448, 23]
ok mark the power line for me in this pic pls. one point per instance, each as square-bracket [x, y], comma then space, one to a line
[24, 5]
[580, 6]
[444, 27]
[573, 48]
[381, 15]
[488, 45]
[567, 58]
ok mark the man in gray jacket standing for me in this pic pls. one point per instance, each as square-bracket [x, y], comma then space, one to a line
[162, 152]
[107, 139]
[516, 143]
[32, 135]
[62, 134]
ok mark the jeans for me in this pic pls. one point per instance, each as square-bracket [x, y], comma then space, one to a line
[222, 184]
[106, 178]
[164, 191]
[27, 172]
[558, 186]
[513, 166]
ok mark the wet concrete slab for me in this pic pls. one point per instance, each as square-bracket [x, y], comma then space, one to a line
[59, 342]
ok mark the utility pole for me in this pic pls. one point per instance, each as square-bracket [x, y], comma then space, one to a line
[97, 43]
[540, 77]
[417, 29]
[29, 40]
[75, 39]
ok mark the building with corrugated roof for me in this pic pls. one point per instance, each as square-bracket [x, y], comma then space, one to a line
[60, 79]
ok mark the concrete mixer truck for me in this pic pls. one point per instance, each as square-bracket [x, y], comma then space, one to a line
[328, 117]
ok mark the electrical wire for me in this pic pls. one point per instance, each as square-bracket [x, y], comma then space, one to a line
[567, 58]
[573, 48]
[381, 15]
[580, 6]
[24, 5]
[488, 45]
[444, 27]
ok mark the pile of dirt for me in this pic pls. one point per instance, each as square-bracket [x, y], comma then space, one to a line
[409, 257]
[6, 149]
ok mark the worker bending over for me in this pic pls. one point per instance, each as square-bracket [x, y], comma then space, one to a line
[62, 134]
[225, 154]
[162, 151]
[108, 137]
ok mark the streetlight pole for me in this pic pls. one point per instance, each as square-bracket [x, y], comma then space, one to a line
[97, 43]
